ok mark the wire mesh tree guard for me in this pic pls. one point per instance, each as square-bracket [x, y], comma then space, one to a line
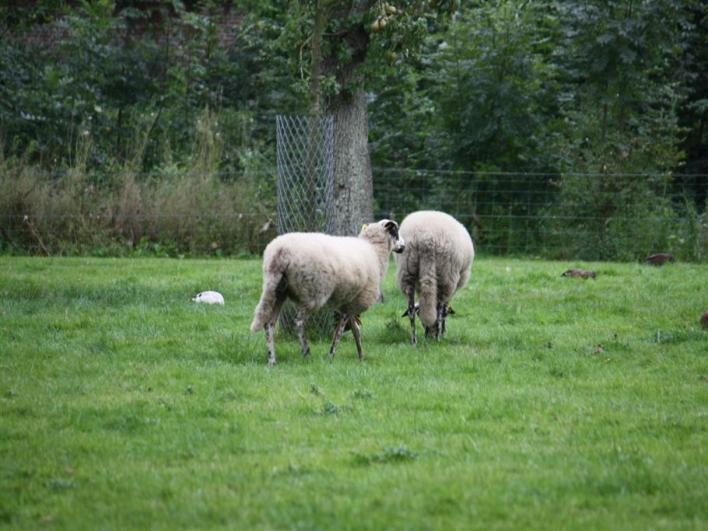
[305, 163]
[305, 190]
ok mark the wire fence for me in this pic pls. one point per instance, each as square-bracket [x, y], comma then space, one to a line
[304, 189]
[305, 168]
[573, 216]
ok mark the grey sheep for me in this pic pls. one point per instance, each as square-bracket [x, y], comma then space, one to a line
[436, 263]
[314, 269]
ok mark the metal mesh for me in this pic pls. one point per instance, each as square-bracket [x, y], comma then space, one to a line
[305, 173]
[305, 190]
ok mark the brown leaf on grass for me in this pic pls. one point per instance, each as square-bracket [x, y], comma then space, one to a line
[579, 273]
[659, 259]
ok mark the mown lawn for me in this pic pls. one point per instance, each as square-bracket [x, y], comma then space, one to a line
[553, 403]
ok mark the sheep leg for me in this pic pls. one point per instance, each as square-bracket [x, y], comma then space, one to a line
[411, 314]
[300, 325]
[270, 326]
[439, 323]
[338, 335]
[270, 339]
[444, 319]
[356, 332]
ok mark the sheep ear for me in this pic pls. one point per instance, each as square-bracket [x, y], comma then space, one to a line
[363, 227]
[391, 227]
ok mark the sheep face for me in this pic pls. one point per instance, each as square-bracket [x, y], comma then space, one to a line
[388, 228]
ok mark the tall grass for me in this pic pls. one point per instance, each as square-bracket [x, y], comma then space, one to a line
[623, 217]
[186, 209]
[198, 207]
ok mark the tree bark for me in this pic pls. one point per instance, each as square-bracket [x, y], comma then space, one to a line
[316, 59]
[353, 181]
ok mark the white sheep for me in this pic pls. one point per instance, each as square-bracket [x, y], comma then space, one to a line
[314, 269]
[436, 263]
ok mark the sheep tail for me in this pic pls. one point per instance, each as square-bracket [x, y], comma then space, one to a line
[428, 289]
[273, 279]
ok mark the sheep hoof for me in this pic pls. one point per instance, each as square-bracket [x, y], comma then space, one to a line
[306, 352]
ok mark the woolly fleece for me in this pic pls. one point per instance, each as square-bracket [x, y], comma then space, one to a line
[314, 269]
[436, 261]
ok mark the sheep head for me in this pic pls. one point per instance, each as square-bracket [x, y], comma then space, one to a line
[386, 228]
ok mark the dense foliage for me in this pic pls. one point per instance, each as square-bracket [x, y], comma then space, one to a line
[139, 98]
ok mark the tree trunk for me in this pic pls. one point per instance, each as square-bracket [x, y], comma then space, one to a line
[352, 190]
[353, 180]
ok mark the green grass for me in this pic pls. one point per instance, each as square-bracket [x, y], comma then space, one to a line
[553, 403]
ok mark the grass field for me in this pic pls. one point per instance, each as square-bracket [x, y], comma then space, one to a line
[553, 403]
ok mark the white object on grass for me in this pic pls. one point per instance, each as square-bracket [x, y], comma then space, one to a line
[209, 297]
